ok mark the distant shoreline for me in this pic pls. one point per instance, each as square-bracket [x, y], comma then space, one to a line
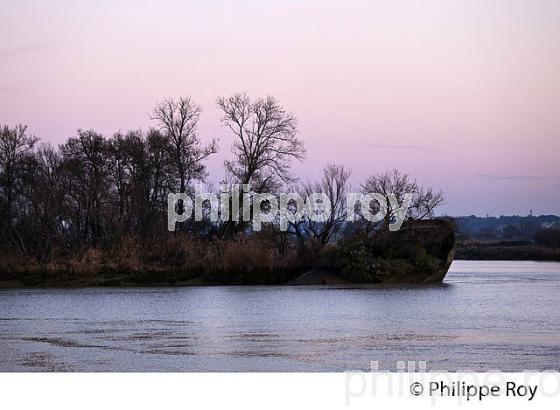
[505, 250]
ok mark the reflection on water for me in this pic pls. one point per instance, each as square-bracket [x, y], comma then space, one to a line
[487, 315]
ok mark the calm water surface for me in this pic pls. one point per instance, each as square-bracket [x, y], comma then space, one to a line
[486, 316]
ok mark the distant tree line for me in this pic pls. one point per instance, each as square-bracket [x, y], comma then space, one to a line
[93, 191]
[509, 228]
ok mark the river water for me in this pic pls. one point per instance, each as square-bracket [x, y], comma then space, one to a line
[485, 316]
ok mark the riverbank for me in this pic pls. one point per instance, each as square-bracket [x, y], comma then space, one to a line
[420, 253]
[505, 250]
[173, 260]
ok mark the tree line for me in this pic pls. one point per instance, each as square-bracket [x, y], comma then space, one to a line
[92, 190]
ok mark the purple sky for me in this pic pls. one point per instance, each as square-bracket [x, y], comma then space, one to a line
[465, 95]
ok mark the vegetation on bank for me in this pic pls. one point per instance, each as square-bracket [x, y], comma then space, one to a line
[175, 259]
[94, 209]
[506, 250]
[421, 249]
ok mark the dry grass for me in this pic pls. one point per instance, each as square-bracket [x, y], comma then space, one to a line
[173, 259]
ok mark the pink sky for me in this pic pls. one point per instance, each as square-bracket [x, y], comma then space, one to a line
[465, 95]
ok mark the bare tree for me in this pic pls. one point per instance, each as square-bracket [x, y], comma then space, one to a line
[15, 146]
[87, 168]
[178, 120]
[424, 200]
[157, 176]
[45, 195]
[141, 176]
[265, 141]
[335, 185]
